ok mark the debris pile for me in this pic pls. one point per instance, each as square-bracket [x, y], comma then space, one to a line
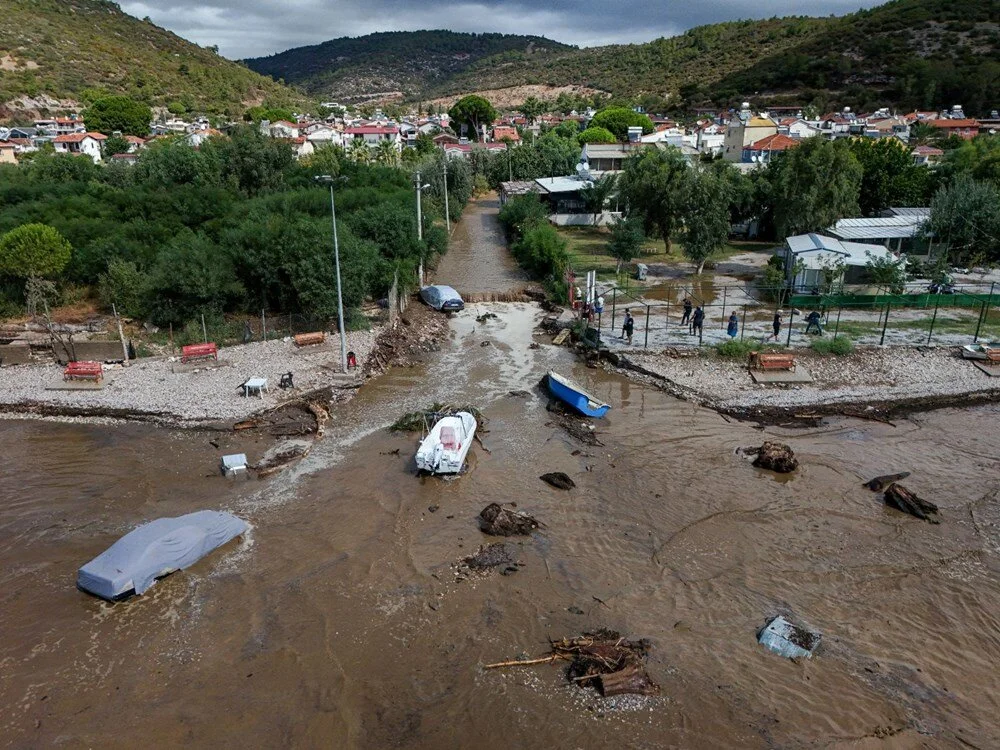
[900, 498]
[486, 316]
[785, 638]
[572, 423]
[879, 484]
[499, 521]
[415, 421]
[559, 480]
[490, 557]
[278, 456]
[776, 457]
[603, 659]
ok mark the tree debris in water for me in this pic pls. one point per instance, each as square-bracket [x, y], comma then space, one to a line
[490, 557]
[499, 521]
[774, 456]
[486, 316]
[603, 660]
[572, 423]
[415, 421]
[280, 455]
[879, 484]
[900, 498]
[559, 480]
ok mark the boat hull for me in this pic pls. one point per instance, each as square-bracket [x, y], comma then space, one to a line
[571, 394]
[434, 458]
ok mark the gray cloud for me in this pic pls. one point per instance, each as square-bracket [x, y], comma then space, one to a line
[249, 28]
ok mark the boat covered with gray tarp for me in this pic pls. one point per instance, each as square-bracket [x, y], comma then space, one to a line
[151, 551]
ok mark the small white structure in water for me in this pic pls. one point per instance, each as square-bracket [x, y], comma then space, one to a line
[234, 464]
[444, 449]
[785, 638]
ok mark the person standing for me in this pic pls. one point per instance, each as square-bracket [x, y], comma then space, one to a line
[628, 327]
[734, 325]
[776, 324]
[686, 317]
[698, 321]
[813, 321]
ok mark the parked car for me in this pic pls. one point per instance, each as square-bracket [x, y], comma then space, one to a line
[442, 298]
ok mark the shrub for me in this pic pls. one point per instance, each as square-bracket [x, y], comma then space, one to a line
[520, 213]
[838, 346]
[736, 349]
[124, 286]
[542, 251]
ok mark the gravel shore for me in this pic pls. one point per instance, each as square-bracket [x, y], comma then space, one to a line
[868, 376]
[149, 388]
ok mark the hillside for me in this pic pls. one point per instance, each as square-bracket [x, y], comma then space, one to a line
[396, 64]
[914, 54]
[56, 53]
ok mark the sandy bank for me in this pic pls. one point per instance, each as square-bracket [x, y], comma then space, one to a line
[883, 381]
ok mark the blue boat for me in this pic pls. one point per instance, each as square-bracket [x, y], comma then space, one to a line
[566, 390]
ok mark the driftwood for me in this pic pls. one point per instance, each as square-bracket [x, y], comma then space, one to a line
[603, 659]
[900, 498]
[879, 484]
[559, 480]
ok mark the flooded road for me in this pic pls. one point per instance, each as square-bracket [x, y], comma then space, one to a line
[340, 623]
[478, 260]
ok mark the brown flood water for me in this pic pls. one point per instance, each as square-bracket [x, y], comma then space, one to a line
[339, 623]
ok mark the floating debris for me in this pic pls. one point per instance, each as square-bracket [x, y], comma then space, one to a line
[278, 456]
[559, 480]
[773, 456]
[486, 316]
[499, 521]
[879, 484]
[489, 557]
[785, 638]
[602, 659]
[900, 498]
[415, 421]
[234, 464]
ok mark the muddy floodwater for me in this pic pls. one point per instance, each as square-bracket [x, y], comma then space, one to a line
[339, 622]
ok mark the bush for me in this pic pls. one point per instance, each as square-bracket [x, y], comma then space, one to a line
[520, 213]
[736, 349]
[839, 346]
[124, 286]
[542, 251]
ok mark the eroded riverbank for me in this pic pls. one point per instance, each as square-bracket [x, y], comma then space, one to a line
[343, 616]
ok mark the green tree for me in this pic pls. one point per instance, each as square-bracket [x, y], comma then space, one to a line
[124, 286]
[473, 112]
[116, 144]
[619, 119]
[653, 186]
[706, 217]
[33, 251]
[542, 252]
[532, 108]
[269, 113]
[626, 240]
[596, 195]
[814, 185]
[386, 153]
[251, 161]
[889, 176]
[118, 113]
[887, 272]
[965, 216]
[596, 135]
[521, 213]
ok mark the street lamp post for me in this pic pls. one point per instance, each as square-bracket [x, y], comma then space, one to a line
[331, 181]
[420, 225]
[447, 216]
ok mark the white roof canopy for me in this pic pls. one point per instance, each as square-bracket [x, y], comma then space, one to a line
[816, 252]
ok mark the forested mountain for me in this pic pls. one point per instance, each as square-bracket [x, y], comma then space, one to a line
[61, 52]
[925, 54]
[401, 63]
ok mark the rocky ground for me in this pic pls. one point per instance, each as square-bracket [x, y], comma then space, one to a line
[151, 389]
[877, 377]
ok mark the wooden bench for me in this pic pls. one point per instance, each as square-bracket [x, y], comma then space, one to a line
[993, 356]
[84, 371]
[772, 361]
[193, 352]
[309, 339]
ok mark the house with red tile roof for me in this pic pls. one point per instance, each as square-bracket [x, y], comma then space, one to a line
[760, 151]
[964, 128]
[926, 156]
[371, 135]
[8, 152]
[506, 133]
[284, 129]
[87, 144]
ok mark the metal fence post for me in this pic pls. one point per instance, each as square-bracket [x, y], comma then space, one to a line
[725, 290]
[979, 323]
[204, 330]
[791, 319]
[937, 299]
[645, 343]
[743, 328]
[263, 326]
[836, 328]
[614, 297]
[666, 318]
[884, 325]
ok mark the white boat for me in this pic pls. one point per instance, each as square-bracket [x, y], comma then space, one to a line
[444, 449]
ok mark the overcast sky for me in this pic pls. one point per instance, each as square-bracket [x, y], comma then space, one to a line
[250, 28]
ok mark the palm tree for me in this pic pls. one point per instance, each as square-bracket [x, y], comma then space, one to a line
[596, 195]
[386, 153]
[357, 150]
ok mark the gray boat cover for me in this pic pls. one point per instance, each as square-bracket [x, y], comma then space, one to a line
[154, 549]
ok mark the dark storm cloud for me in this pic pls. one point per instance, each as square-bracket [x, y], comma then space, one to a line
[247, 28]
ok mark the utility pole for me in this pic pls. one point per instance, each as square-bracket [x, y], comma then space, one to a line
[447, 216]
[336, 262]
[420, 226]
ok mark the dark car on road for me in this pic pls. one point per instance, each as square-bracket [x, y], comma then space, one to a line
[442, 298]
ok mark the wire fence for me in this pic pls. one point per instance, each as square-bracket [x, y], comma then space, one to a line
[749, 313]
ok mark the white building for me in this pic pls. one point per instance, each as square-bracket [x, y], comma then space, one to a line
[813, 262]
[87, 144]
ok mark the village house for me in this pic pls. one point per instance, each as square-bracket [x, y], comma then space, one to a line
[743, 129]
[302, 146]
[462, 150]
[901, 234]
[8, 152]
[325, 136]
[198, 137]
[62, 125]
[506, 133]
[760, 152]
[817, 263]
[797, 128]
[135, 143]
[964, 128]
[88, 144]
[372, 135]
[283, 129]
[607, 157]
[926, 156]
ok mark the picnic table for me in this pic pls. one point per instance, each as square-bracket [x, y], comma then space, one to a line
[253, 386]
